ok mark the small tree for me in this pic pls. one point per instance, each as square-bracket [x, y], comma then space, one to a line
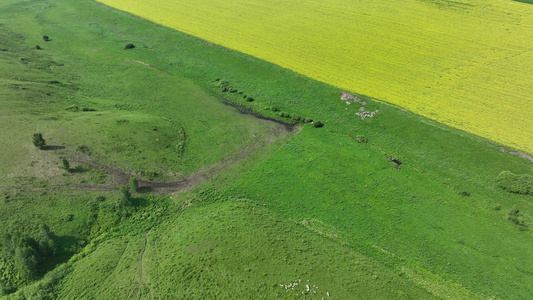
[47, 246]
[134, 183]
[122, 205]
[26, 261]
[66, 164]
[3, 289]
[38, 140]
[126, 194]
[318, 124]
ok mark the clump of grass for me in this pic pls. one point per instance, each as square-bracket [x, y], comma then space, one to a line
[97, 176]
[85, 149]
[516, 217]
[361, 139]
[515, 183]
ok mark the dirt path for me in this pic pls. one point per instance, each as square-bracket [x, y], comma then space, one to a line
[141, 270]
[151, 66]
[121, 178]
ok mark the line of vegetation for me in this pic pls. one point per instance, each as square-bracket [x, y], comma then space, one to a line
[515, 183]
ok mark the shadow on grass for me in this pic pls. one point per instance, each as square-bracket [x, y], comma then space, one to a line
[67, 246]
[79, 169]
[53, 147]
[139, 202]
[145, 189]
[525, 1]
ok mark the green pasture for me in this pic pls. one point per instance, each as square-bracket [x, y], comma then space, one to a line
[450, 221]
[328, 204]
[231, 250]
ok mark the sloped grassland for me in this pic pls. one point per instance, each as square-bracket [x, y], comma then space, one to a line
[328, 205]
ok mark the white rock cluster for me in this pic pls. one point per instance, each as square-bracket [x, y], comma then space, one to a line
[363, 114]
[301, 289]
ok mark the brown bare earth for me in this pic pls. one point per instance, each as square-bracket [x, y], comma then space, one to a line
[523, 155]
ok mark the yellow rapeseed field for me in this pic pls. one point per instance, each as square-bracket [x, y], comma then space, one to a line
[465, 63]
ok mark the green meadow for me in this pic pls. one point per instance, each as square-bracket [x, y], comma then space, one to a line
[241, 194]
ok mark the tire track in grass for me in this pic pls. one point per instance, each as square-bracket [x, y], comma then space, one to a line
[141, 270]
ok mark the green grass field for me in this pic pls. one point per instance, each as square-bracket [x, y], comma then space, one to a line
[232, 205]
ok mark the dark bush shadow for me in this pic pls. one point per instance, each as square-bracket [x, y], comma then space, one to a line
[79, 169]
[53, 147]
[145, 189]
[67, 246]
[139, 202]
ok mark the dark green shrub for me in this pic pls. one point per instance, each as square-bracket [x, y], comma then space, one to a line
[249, 99]
[38, 140]
[134, 183]
[125, 194]
[308, 120]
[318, 124]
[26, 261]
[129, 46]
[515, 216]
[65, 164]
[464, 194]
[296, 117]
[274, 108]
[514, 183]
[47, 246]
[3, 289]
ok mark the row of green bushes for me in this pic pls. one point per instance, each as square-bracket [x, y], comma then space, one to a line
[224, 87]
[295, 117]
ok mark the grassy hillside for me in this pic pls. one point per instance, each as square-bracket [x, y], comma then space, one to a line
[231, 250]
[381, 205]
[463, 63]
[444, 217]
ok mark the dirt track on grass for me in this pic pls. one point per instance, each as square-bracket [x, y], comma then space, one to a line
[120, 177]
